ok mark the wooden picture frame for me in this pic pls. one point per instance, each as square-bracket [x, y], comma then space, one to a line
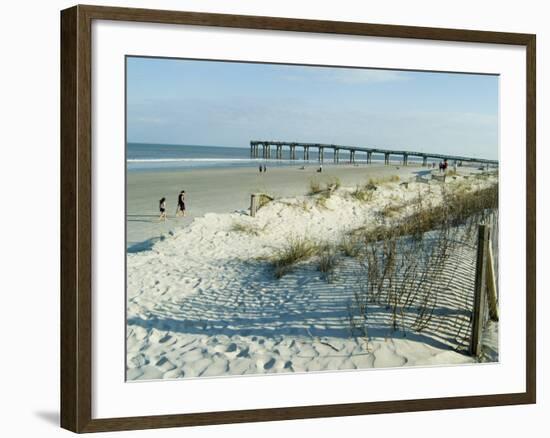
[76, 217]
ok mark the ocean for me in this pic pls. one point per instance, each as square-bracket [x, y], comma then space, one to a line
[148, 156]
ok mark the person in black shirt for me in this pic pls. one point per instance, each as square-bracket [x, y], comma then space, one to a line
[181, 204]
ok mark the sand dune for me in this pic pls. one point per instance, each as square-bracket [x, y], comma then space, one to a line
[202, 301]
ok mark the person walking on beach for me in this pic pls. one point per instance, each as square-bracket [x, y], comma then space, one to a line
[265, 169]
[181, 204]
[162, 209]
[260, 168]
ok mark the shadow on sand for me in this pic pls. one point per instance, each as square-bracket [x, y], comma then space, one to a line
[144, 246]
[302, 304]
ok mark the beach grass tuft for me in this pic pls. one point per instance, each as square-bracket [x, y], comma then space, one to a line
[296, 250]
[328, 260]
[373, 182]
[321, 201]
[364, 193]
[391, 210]
[244, 228]
[315, 187]
[349, 246]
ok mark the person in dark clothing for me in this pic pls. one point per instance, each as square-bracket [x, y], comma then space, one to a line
[261, 168]
[181, 204]
[162, 210]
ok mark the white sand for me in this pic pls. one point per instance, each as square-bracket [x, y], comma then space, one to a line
[202, 302]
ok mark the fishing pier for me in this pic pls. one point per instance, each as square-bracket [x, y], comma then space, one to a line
[280, 150]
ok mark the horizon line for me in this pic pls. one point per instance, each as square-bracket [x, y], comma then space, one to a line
[312, 143]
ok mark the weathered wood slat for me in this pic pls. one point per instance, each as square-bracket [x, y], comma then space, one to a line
[492, 296]
[480, 288]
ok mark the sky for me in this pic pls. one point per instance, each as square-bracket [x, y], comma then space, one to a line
[177, 101]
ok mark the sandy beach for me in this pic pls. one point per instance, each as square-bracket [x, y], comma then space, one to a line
[227, 190]
[203, 301]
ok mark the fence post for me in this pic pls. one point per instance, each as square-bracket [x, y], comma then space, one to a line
[253, 205]
[480, 288]
[491, 286]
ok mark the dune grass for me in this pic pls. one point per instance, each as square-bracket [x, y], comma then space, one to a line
[296, 250]
[459, 207]
[363, 193]
[317, 187]
[391, 210]
[244, 228]
[328, 260]
[349, 246]
[383, 180]
[323, 191]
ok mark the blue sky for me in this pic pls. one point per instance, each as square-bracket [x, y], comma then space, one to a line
[173, 101]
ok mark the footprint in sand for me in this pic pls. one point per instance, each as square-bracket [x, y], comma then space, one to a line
[269, 364]
[165, 365]
[244, 353]
[386, 356]
[138, 361]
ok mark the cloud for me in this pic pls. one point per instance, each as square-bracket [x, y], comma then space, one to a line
[361, 76]
[349, 76]
[235, 122]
